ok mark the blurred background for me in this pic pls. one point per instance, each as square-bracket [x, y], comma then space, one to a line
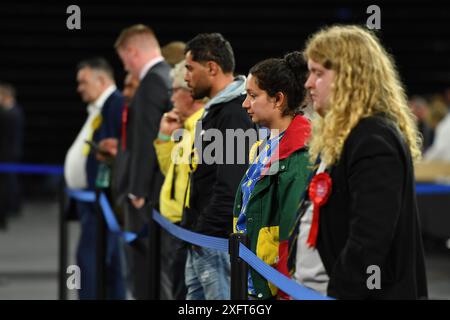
[38, 58]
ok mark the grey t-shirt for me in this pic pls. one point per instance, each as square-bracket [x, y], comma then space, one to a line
[309, 269]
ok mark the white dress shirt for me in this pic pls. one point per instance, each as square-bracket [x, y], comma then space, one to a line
[75, 162]
[440, 149]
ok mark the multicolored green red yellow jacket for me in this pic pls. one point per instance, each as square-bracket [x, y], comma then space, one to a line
[273, 205]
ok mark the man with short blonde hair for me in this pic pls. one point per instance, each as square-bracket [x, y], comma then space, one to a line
[138, 179]
[137, 34]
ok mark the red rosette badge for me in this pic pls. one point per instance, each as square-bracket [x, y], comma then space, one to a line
[319, 191]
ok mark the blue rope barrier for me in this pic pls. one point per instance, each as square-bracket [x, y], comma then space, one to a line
[428, 188]
[191, 237]
[289, 286]
[285, 284]
[108, 214]
[31, 169]
[24, 168]
[282, 282]
[111, 220]
[80, 195]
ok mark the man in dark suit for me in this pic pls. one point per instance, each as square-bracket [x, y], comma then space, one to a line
[137, 178]
[11, 143]
[97, 88]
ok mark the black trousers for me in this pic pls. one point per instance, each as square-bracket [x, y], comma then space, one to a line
[136, 254]
[173, 264]
[4, 201]
[172, 261]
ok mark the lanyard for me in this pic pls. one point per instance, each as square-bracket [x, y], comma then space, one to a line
[253, 175]
[124, 126]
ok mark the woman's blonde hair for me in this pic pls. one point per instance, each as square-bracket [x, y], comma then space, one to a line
[366, 82]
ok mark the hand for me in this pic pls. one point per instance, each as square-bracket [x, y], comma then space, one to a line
[170, 122]
[138, 202]
[110, 146]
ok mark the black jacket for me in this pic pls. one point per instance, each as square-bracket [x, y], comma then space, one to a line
[213, 186]
[136, 169]
[371, 217]
[11, 137]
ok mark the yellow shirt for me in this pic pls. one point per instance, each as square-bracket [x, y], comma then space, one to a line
[174, 157]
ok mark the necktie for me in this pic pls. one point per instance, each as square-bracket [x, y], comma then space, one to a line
[95, 124]
[124, 126]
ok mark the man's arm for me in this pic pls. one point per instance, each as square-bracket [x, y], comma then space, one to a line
[170, 122]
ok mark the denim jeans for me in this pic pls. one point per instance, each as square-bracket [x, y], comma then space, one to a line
[207, 274]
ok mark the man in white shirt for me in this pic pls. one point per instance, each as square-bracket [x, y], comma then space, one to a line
[96, 87]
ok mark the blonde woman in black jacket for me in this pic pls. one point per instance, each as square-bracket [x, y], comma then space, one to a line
[359, 234]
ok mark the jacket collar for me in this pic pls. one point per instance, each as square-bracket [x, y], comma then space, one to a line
[150, 64]
[295, 138]
[234, 90]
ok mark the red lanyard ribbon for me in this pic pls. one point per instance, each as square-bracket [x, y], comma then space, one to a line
[124, 126]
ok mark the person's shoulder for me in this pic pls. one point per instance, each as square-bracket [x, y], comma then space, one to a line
[161, 69]
[377, 133]
[162, 65]
[300, 159]
[372, 122]
[113, 105]
[116, 98]
[233, 106]
[233, 112]
[377, 124]
[158, 74]
[117, 94]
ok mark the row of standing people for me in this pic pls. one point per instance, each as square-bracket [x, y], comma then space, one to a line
[322, 201]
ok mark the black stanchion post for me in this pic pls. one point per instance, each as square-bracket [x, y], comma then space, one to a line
[62, 276]
[153, 257]
[239, 268]
[100, 249]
